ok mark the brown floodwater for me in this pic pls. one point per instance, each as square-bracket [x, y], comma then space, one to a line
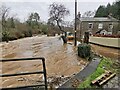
[61, 60]
[107, 52]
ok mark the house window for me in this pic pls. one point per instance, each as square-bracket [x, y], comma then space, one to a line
[100, 26]
[90, 25]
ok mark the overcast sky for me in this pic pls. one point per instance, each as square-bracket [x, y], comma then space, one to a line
[22, 8]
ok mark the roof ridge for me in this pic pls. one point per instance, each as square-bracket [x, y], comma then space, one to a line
[98, 19]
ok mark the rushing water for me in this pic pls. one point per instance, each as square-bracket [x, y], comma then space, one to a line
[61, 60]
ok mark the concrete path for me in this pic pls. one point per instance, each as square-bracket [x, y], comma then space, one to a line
[88, 70]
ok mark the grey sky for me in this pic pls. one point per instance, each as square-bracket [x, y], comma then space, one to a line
[22, 8]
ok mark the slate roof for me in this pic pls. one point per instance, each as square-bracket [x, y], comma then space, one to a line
[103, 19]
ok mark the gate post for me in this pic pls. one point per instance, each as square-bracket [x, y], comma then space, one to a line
[45, 77]
[86, 37]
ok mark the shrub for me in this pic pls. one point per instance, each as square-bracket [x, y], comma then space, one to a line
[12, 37]
[27, 33]
[84, 50]
[12, 34]
[5, 36]
[19, 34]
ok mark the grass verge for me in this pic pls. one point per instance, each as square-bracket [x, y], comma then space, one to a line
[105, 64]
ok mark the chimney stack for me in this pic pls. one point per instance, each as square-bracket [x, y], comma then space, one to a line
[79, 15]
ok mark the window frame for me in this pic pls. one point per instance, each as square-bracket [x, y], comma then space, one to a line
[89, 25]
[100, 26]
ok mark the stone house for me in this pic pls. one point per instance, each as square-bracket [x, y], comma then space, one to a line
[106, 25]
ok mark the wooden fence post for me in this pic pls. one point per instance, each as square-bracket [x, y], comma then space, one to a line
[86, 37]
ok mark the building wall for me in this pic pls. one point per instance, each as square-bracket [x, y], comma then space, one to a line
[84, 26]
[116, 28]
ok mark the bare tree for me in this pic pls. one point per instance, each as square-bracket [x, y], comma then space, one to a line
[4, 12]
[57, 13]
[33, 19]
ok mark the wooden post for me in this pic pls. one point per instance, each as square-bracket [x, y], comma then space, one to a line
[86, 37]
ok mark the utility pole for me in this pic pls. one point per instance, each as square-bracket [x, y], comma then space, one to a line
[75, 22]
[79, 16]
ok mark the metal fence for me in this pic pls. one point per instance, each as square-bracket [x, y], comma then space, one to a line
[27, 73]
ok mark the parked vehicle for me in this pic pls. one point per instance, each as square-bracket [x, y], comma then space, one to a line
[70, 36]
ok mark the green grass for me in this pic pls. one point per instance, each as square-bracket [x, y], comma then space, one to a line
[105, 64]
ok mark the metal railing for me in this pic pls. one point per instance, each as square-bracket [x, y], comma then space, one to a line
[27, 73]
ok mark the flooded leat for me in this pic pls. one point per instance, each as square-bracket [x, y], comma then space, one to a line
[106, 51]
[62, 61]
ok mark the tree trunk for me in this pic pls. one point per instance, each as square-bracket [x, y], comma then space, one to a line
[64, 38]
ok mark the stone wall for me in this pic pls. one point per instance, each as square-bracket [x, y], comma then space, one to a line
[84, 26]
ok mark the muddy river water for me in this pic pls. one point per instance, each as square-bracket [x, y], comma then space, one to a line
[61, 60]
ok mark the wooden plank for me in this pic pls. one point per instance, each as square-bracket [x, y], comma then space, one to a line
[112, 75]
[98, 78]
[94, 81]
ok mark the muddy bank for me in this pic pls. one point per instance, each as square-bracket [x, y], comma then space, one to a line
[105, 51]
[61, 60]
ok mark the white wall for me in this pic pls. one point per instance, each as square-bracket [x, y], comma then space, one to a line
[113, 42]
